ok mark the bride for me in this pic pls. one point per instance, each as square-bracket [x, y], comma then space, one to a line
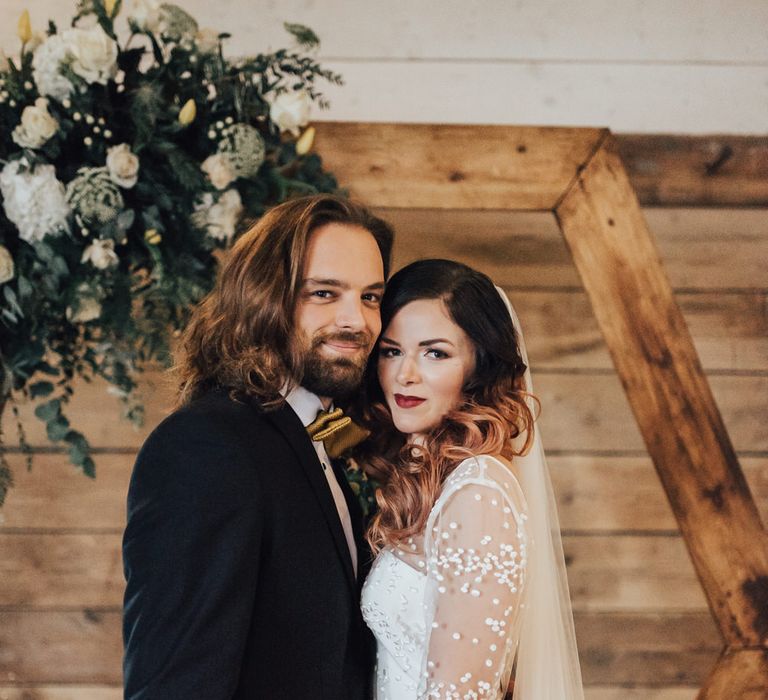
[468, 584]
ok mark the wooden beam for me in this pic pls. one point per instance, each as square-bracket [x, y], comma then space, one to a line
[739, 675]
[454, 166]
[505, 167]
[670, 397]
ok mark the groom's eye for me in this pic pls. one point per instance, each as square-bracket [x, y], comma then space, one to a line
[322, 293]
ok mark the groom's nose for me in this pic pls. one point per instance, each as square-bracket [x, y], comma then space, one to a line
[349, 314]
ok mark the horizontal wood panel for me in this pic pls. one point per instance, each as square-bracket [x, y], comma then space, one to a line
[598, 493]
[647, 98]
[688, 30]
[634, 693]
[430, 165]
[644, 649]
[87, 692]
[715, 170]
[700, 248]
[730, 331]
[595, 493]
[606, 572]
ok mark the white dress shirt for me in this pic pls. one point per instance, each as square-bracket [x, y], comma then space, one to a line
[306, 405]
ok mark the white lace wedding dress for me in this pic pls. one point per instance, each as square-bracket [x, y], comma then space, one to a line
[445, 607]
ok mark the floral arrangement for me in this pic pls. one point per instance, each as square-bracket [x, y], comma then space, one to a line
[124, 167]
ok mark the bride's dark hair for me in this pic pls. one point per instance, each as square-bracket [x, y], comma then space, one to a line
[492, 413]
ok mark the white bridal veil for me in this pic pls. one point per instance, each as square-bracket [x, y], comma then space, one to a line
[547, 660]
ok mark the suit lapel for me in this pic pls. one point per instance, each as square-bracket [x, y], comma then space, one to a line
[288, 423]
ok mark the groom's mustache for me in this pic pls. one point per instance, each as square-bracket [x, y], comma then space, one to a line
[360, 338]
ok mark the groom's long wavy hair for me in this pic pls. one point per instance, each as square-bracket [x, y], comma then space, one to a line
[492, 417]
[241, 335]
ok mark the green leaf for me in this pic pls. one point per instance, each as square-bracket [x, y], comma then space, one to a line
[39, 389]
[48, 411]
[57, 428]
[304, 35]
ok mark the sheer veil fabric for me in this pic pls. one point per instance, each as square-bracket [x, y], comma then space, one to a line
[547, 659]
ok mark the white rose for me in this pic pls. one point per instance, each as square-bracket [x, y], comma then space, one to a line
[207, 41]
[37, 125]
[7, 269]
[94, 54]
[219, 169]
[34, 201]
[146, 15]
[86, 307]
[46, 68]
[219, 219]
[123, 165]
[290, 111]
[101, 254]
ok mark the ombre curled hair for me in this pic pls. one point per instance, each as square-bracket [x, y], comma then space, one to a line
[241, 335]
[492, 417]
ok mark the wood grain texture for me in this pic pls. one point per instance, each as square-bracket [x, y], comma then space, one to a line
[85, 692]
[739, 675]
[664, 382]
[49, 647]
[702, 249]
[595, 494]
[705, 170]
[432, 165]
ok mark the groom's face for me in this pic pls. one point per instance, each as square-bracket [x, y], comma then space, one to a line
[337, 316]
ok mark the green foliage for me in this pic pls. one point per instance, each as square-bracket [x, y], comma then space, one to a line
[101, 293]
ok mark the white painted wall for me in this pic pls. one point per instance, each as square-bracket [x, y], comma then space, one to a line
[676, 66]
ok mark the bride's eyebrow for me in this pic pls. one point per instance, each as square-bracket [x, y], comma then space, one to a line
[388, 341]
[434, 341]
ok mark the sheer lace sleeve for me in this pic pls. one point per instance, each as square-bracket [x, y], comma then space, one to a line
[475, 547]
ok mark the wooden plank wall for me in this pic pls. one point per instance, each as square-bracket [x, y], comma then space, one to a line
[642, 624]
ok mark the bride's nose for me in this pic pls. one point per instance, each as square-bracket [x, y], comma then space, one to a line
[408, 372]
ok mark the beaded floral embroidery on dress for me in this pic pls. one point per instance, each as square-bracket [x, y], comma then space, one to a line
[445, 608]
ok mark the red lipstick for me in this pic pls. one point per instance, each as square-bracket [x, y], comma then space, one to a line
[408, 401]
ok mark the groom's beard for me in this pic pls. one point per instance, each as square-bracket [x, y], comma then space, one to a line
[335, 377]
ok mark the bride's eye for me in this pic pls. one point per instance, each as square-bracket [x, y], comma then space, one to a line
[388, 352]
[436, 354]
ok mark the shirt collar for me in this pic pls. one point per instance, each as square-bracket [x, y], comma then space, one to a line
[304, 403]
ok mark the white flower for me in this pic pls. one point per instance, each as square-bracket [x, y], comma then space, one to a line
[37, 125]
[245, 148]
[7, 269]
[101, 254]
[290, 110]
[94, 196]
[207, 41]
[94, 54]
[123, 165]
[34, 201]
[86, 306]
[219, 219]
[219, 170]
[146, 15]
[46, 65]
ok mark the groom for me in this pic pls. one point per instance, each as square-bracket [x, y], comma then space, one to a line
[243, 552]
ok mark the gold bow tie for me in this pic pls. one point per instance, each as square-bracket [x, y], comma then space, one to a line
[336, 431]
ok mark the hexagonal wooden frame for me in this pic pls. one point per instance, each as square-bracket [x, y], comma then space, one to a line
[578, 175]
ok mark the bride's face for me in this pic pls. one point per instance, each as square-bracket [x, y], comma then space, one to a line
[424, 361]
